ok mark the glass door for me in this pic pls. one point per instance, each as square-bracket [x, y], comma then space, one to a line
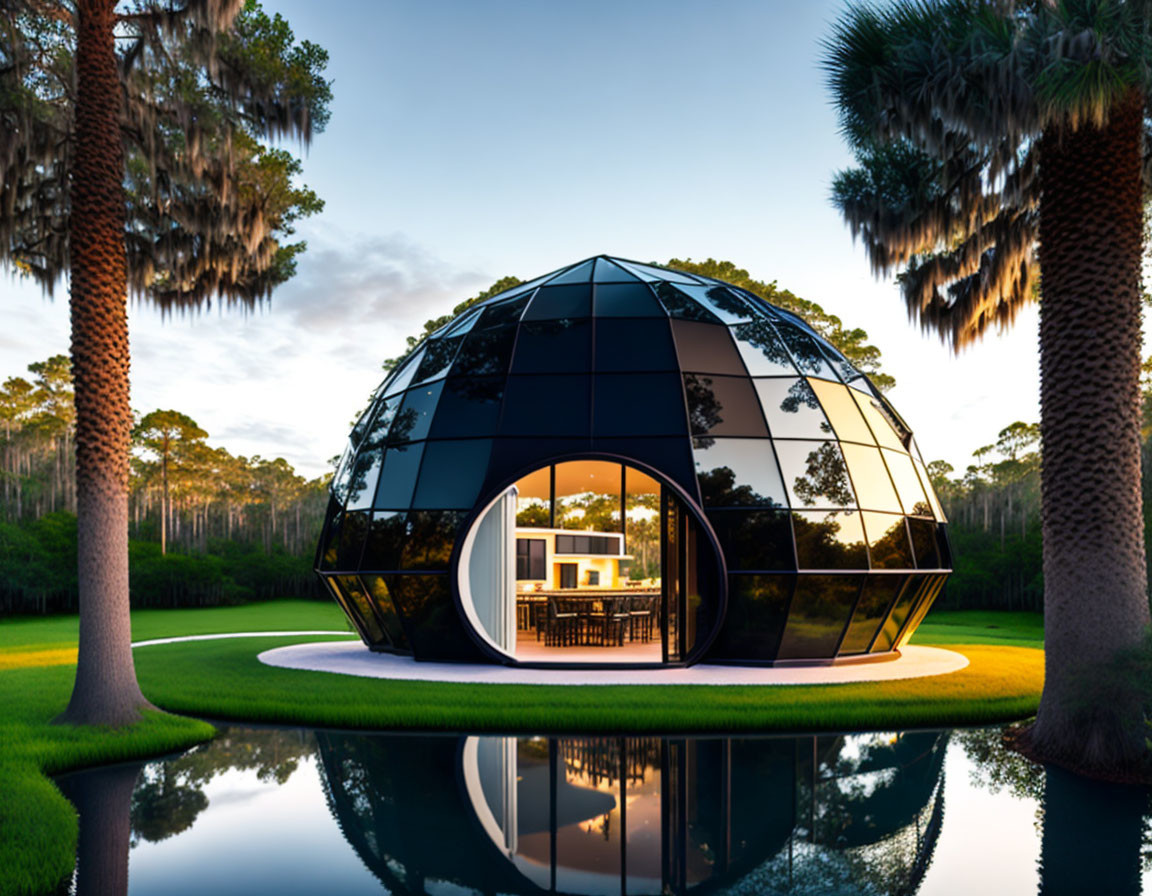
[671, 576]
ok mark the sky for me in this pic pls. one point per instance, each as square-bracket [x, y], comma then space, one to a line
[469, 141]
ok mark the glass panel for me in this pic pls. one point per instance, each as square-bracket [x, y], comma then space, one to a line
[588, 495]
[486, 352]
[842, 412]
[430, 617]
[607, 272]
[415, 415]
[398, 477]
[805, 352]
[737, 473]
[329, 555]
[723, 406]
[895, 621]
[386, 610]
[462, 324]
[706, 348]
[651, 272]
[438, 357]
[885, 434]
[642, 527]
[452, 473]
[626, 300]
[754, 539]
[888, 541]
[926, 482]
[829, 540]
[723, 303]
[534, 499]
[339, 490]
[386, 537]
[504, 313]
[638, 404]
[582, 273]
[635, 345]
[815, 474]
[762, 349]
[924, 543]
[349, 611]
[353, 529]
[545, 405]
[679, 304]
[362, 475]
[399, 379]
[878, 595]
[468, 407]
[431, 535]
[792, 410]
[907, 483]
[552, 302]
[754, 621]
[818, 615]
[354, 594]
[553, 346]
[923, 604]
[874, 489]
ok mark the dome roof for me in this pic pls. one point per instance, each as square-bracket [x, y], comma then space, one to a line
[799, 463]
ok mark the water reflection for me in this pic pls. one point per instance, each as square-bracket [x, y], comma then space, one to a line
[292, 811]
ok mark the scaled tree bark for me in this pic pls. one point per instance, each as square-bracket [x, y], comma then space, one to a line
[1095, 579]
[106, 691]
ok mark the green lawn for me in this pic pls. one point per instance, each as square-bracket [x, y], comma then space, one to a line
[223, 679]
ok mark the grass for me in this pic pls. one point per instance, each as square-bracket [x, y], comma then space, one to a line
[224, 680]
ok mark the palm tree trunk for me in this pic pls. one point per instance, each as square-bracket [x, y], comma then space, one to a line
[1095, 578]
[106, 691]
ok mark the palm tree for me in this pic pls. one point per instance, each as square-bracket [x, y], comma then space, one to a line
[996, 140]
[129, 159]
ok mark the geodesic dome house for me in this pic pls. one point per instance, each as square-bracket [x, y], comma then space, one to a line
[623, 464]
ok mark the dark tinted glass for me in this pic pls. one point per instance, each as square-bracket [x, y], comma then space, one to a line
[792, 410]
[330, 551]
[888, 541]
[738, 473]
[398, 381]
[362, 475]
[430, 617]
[486, 352]
[386, 535]
[581, 273]
[679, 304]
[350, 611]
[546, 406]
[503, 313]
[706, 348]
[451, 474]
[757, 610]
[762, 349]
[431, 535]
[924, 543]
[805, 352]
[415, 415]
[874, 490]
[671, 456]
[513, 458]
[638, 404]
[829, 539]
[626, 300]
[878, 595]
[353, 530]
[468, 407]
[754, 539]
[818, 615]
[551, 302]
[386, 610]
[898, 615]
[606, 272]
[634, 345]
[438, 357]
[354, 594]
[723, 303]
[398, 476]
[723, 406]
[553, 346]
[815, 474]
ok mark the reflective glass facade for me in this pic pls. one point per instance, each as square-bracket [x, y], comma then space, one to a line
[833, 540]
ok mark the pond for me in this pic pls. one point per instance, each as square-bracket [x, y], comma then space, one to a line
[290, 811]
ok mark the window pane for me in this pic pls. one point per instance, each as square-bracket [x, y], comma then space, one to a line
[431, 535]
[757, 610]
[829, 540]
[679, 304]
[606, 272]
[926, 482]
[330, 555]
[438, 357]
[634, 345]
[818, 615]
[589, 495]
[505, 313]
[386, 536]
[639, 404]
[415, 415]
[468, 407]
[924, 543]
[888, 541]
[706, 348]
[729, 307]
[642, 526]
[552, 302]
[486, 352]
[398, 476]
[534, 499]
[874, 489]
[353, 530]
[553, 346]
[754, 539]
[430, 617]
[354, 594]
[842, 412]
[877, 597]
[649, 272]
[545, 405]
[452, 473]
[792, 410]
[895, 621]
[815, 474]
[626, 300]
[805, 352]
[885, 434]
[399, 379]
[907, 483]
[738, 473]
[582, 273]
[723, 406]
[362, 475]
[762, 349]
[386, 609]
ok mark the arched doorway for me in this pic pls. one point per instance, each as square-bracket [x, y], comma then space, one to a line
[591, 561]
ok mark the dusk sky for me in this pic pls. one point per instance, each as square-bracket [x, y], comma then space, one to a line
[470, 140]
